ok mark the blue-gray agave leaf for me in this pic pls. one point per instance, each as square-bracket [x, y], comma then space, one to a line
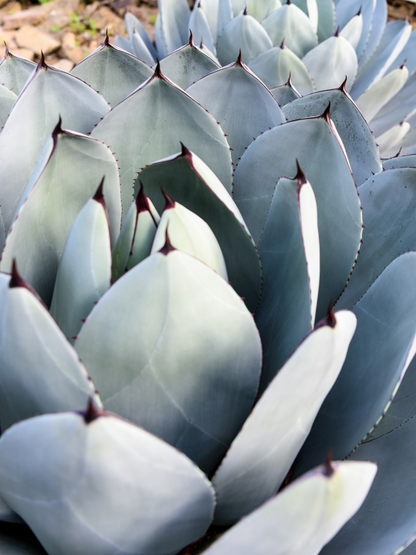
[187, 65]
[7, 99]
[219, 13]
[165, 115]
[379, 355]
[366, 48]
[242, 33]
[198, 24]
[353, 30]
[304, 516]
[65, 181]
[191, 234]
[274, 66]
[240, 103]
[173, 30]
[356, 137]
[133, 23]
[273, 155]
[84, 271]
[140, 49]
[289, 250]
[136, 236]
[35, 379]
[388, 199]
[347, 9]
[285, 93]
[14, 71]
[407, 55]
[127, 72]
[86, 464]
[291, 24]
[326, 18]
[310, 8]
[261, 455]
[408, 161]
[330, 62]
[385, 523]
[48, 95]
[260, 9]
[189, 181]
[394, 140]
[195, 398]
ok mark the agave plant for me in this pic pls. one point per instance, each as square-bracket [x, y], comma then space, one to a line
[298, 47]
[168, 358]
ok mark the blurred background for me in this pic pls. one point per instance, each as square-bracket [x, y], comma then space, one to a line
[68, 30]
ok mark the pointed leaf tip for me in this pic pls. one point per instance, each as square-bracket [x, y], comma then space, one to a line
[191, 39]
[167, 247]
[58, 129]
[398, 154]
[329, 469]
[289, 81]
[107, 38]
[99, 194]
[142, 202]
[282, 44]
[329, 319]
[158, 72]
[238, 62]
[359, 11]
[169, 203]
[92, 413]
[16, 279]
[42, 64]
[300, 176]
[403, 64]
[336, 34]
[185, 151]
[326, 113]
[343, 87]
[245, 10]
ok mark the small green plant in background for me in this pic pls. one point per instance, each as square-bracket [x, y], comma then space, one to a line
[80, 23]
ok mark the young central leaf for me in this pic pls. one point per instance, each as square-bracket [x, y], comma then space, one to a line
[173, 348]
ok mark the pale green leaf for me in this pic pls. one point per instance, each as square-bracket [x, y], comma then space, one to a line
[198, 24]
[353, 29]
[14, 71]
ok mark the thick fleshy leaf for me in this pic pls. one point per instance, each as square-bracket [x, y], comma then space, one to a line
[133, 23]
[392, 140]
[85, 465]
[400, 107]
[242, 33]
[353, 29]
[136, 236]
[310, 8]
[273, 155]
[346, 9]
[199, 25]
[374, 98]
[169, 296]
[7, 99]
[285, 93]
[240, 103]
[140, 49]
[187, 65]
[84, 272]
[386, 521]
[49, 94]
[14, 71]
[40, 371]
[304, 516]
[238, 6]
[330, 62]
[289, 251]
[388, 199]
[123, 43]
[373, 37]
[394, 39]
[173, 26]
[219, 13]
[408, 161]
[290, 24]
[260, 9]
[407, 55]
[261, 455]
[359, 143]
[66, 180]
[326, 19]
[165, 115]
[274, 67]
[18, 540]
[127, 72]
[376, 361]
[187, 180]
[191, 234]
